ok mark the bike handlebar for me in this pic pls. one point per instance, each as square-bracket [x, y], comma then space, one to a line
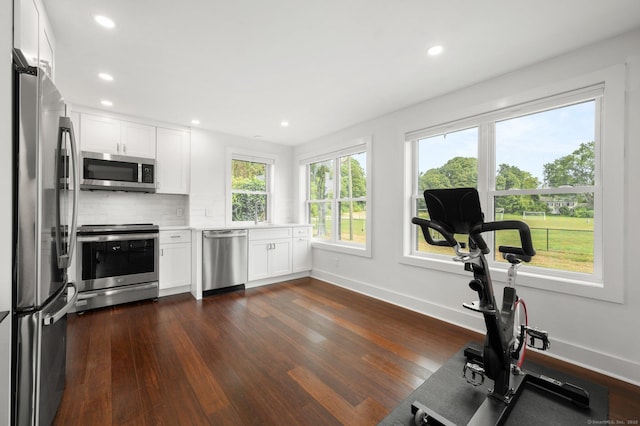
[449, 239]
[525, 252]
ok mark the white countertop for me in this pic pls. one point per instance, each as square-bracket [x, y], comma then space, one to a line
[235, 226]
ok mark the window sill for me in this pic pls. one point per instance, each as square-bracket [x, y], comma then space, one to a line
[342, 248]
[527, 277]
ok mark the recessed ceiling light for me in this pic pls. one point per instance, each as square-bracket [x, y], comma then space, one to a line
[284, 123]
[258, 136]
[106, 103]
[104, 21]
[195, 121]
[105, 76]
[435, 50]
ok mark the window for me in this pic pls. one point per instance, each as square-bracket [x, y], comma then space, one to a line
[538, 162]
[250, 189]
[337, 197]
[447, 160]
[545, 176]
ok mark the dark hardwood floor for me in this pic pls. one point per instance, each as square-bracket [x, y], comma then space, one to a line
[299, 352]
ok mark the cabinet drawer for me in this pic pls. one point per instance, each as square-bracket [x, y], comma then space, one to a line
[269, 234]
[178, 236]
[302, 231]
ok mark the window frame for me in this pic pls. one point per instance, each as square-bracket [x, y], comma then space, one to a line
[607, 87]
[361, 145]
[255, 157]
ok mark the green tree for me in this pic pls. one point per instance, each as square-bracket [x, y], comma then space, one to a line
[352, 172]
[512, 177]
[575, 169]
[320, 188]
[247, 178]
[459, 172]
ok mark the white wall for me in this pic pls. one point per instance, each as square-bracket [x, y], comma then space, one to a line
[209, 169]
[585, 331]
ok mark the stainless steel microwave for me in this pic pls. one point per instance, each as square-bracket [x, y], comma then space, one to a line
[117, 172]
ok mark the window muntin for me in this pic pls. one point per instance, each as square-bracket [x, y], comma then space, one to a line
[337, 198]
[250, 192]
[549, 181]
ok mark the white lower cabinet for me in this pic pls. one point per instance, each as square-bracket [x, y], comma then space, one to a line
[175, 260]
[301, 249]
[269, 253]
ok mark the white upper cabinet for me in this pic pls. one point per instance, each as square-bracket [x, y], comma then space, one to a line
[111, 136]
[99, 134]
[137, 140]
[32, 34]
[173, 154]
[25, 29]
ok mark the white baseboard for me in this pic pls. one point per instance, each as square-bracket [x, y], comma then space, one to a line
[610, 365]
[278, 279]
[174, 290]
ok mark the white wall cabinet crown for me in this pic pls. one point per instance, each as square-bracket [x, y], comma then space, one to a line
[112, 136]
[175, 261]
[173, 157]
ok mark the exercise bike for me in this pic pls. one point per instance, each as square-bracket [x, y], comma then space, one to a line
[458, 211]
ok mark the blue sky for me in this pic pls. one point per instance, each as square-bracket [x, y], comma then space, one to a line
[527, 142]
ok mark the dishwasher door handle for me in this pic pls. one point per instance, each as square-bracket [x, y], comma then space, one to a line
[224, 234]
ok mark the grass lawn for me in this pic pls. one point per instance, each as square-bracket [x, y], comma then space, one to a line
[560, 242]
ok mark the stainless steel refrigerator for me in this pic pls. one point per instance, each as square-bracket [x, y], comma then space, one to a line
[45, 184]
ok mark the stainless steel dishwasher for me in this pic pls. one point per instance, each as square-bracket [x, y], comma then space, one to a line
[224, 260]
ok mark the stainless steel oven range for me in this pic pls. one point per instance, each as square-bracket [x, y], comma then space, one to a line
[116, 264]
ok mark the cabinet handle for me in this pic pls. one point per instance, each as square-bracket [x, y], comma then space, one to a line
[161, 252]
[118, 148]
[175, 236]
[124, 148]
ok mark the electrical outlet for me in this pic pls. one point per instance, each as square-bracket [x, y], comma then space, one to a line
[179, 212]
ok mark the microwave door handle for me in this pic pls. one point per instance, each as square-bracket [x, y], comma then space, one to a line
[71, 301]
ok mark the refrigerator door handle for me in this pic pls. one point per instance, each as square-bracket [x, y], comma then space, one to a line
[76, 186]
[64, 259]
[71, 301]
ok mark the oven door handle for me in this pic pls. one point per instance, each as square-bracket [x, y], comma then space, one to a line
[71, 301]
[116, 237]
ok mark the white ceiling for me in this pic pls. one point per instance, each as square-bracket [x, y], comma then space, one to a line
[243, 66]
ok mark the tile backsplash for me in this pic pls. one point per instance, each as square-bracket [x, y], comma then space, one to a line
[107, 207]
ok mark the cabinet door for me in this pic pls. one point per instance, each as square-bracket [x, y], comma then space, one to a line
[99, 134]
[258, 259]
[172, 161]
[175, 265]
[280, 257]
[46, 59]
[137, 140]
[301, 254]
[26, 35]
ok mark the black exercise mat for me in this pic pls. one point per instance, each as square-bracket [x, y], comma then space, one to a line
[448, 393]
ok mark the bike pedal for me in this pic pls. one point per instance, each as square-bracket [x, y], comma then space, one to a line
[473, 374]
[538, 339]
